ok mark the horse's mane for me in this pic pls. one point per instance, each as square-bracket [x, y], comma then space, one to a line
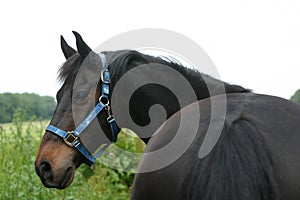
[70, 68]
[124, 60]
[130, 58]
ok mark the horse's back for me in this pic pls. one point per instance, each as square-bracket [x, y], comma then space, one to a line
[256, 156]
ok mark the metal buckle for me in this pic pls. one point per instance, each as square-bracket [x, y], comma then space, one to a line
[110, 115]
[70, 139]
[106, 81]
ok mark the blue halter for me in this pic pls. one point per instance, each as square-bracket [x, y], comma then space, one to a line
[71, 138]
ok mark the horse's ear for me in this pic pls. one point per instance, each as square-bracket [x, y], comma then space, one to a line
[82, 47]
[66, 49]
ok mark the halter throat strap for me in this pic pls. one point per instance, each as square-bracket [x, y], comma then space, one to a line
[72, 138]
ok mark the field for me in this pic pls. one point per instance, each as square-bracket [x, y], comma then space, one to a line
[19, 142]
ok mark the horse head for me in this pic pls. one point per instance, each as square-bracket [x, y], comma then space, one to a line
[56, 161]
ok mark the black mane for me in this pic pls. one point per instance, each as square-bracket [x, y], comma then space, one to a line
[127, 59]
[124, 60]
[70, 68]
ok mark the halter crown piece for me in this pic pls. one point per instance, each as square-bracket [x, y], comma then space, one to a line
[71, 138]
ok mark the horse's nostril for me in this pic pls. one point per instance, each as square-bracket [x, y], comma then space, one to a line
[45, 169]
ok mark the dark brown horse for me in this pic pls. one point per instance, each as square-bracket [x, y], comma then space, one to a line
[255, 155]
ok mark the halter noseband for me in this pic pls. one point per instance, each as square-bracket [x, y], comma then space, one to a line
[71, 138]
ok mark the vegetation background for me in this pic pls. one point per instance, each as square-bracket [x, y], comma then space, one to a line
[19, 143]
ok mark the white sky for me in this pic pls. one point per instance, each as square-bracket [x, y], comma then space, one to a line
[254, 43]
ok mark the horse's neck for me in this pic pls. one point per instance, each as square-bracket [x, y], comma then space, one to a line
[143, 98]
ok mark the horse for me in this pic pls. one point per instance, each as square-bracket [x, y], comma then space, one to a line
[255, 155]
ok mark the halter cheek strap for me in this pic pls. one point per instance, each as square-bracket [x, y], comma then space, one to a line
[71, 138]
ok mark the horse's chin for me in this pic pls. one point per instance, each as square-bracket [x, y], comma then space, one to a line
[67, 179]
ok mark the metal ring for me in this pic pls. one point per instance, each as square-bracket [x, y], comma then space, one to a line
[104, 100]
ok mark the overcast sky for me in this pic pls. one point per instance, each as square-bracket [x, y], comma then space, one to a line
[253, 43]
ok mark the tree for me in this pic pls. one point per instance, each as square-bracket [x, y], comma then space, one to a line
[41, 107]
[296, 96]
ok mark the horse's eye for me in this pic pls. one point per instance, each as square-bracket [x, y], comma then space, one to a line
[81, 96]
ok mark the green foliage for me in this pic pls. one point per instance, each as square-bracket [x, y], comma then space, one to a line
[296, 96]
[19, 142]
[40, 107]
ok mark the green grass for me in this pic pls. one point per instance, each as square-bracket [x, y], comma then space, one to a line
[19, 143]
